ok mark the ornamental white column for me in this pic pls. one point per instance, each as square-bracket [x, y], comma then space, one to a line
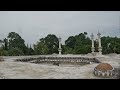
[92, 48]
[59, 49]
[99, 41]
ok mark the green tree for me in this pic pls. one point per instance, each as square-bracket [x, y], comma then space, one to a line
[110, 45]
[15, 52]
[70, 42]
[41, 48]
[6, 43]
[30, 51]
[47, 45]
[78, 44]
[15, 41]
[51, 41]
[67, 50]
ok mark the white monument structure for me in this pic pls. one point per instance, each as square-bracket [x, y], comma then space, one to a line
[92, 48]
[99, 41]
[59, 49]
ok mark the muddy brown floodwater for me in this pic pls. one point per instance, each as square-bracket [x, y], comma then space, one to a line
[25, 70]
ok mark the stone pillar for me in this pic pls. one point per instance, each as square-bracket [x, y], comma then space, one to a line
[99, 41]
[59, 49]
[92, 48]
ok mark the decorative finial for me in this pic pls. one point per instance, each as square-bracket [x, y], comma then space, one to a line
[92, 36]
[59, 38]
[98, 33]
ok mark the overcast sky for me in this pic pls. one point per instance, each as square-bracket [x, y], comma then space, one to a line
[33, 25]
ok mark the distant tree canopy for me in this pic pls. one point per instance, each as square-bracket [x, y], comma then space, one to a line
[47, 45]
[79, 44]
[110, 45]
[14, 45]
[15, 41]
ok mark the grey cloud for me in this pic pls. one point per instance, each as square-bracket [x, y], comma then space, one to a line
[34, 25]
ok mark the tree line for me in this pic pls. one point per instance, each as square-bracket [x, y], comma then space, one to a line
[14, 45]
